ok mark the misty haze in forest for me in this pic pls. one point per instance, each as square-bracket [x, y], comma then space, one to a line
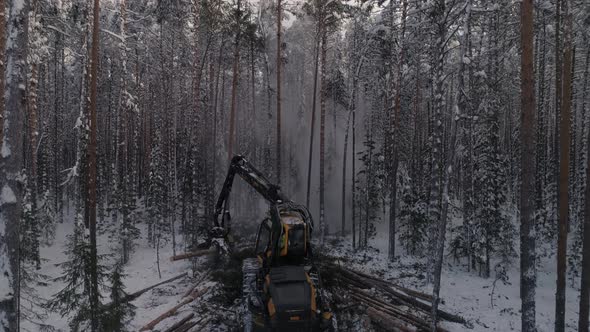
[436, 152]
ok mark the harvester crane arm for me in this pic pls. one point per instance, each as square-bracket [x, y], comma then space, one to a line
[239, 165]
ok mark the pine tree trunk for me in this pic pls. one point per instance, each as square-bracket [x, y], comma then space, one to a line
[279, 65]
[558, 92]
[2, 67]
[564, 167]
[313, 108]
[527, 228]
[234, 88]
[462, 103]
[352, 107]
[541, 130]
[92, 167]
[437, 217]
[395, 136]
[11, 161]
[344, 162]
[353, 183]
[33, 130]
[585, 280]
[323, 97]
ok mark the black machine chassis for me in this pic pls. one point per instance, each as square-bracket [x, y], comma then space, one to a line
[255, 316]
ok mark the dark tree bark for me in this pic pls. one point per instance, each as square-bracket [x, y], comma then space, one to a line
[92, 167]
[323, 97]
[564, 168]
[585, 282]
[11, 160]
[527, 227]
[2, 67]
[279, 65]
[313, 108]
[234, 88]
[437, 215]
[395, 132]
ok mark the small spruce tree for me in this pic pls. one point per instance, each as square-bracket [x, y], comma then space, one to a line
[74, 299]
[120, 311]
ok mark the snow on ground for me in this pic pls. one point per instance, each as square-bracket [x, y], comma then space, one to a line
[141, 272]
[465, 293]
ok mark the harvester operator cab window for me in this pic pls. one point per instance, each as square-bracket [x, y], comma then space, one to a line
[293, 242]
[263, 238]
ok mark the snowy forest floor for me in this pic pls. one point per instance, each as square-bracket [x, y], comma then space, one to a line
[464, 293]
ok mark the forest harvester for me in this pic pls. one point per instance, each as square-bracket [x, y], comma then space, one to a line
[282, 289]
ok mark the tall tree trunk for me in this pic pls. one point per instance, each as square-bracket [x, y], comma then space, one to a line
[395, 135]
[279, 64]
[558, 93]
[351, 106]
[353, 184]
[92, 167]
[2, 67]
[585, 280]
[33, 123]
[11, 161]
[437, 178]
[462, 103]
[564, 167]
[527, 227]
[313, 108]
[234, 87]
[323, 97]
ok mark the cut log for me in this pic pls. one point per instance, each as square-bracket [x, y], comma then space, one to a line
[134, 295]
[140, 292]
[411, 292]
[201, 278]
[388, 322]
[191, 298]
[193, 254]
[393, 311]
[187, 326]
[409, 300]
[407, 316]
[203, 324]
[404, 312]
[180, 323]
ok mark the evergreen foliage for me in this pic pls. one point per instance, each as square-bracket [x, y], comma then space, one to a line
[120, 310]
[74, 299]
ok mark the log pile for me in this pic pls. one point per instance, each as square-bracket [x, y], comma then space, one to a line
[392, 307]
[197, 253]
[193, 296]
